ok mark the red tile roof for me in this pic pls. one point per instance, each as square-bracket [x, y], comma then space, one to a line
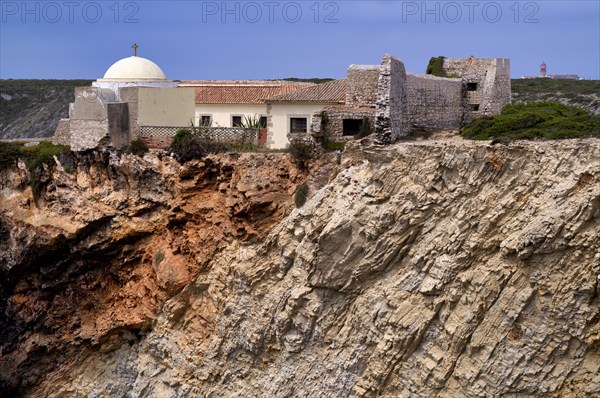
[240, 91]
[332, 92]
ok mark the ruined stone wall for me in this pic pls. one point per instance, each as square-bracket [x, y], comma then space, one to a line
[434, 103]
[92, 93]
[96, 119]
[333, 128]
[361, 85]
[88, 107]
[492, 79]
[89, 121]
[502, 91]
[317, 128]
[88, 134]
[62, 134]
[391, 121]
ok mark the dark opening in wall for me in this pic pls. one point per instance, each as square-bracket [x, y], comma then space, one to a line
[298, 125]
[263, 122]
[205, 120]
[352, 126]
[471, 86]
[475, 107]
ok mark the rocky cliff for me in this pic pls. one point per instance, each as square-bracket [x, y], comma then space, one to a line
[423, 269]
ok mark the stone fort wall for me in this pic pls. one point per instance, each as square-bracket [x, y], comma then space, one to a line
[486, 84]
[62, 134]
[333, 128]
[434, 103]
[361, 86]
[398, 102]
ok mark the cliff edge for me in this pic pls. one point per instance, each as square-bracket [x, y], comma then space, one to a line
[423, 269]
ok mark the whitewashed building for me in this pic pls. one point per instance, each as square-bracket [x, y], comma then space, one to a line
[292, 113]
[225, 103]
[133, 95]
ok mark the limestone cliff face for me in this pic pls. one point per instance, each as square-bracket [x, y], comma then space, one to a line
[88, 266]
[423, 269]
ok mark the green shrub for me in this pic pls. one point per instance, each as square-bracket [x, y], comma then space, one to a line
[535, 120]
[301, 195]
[436, 66]
[138, 147]
[9, 153]
[188, 145]
[334, 145]
[36, 157]
[181, 138]
[301, 153]
[251, 122]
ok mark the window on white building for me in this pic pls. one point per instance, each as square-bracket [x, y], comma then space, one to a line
[298, 125]
[236, 121]
[205, 120]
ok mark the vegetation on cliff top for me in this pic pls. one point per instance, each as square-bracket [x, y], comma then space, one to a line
[35, 157]
[301, 195]
[301, 153]
[138, 147]
[9, 153]
[535, 120]
[582, 93]
[191, 144]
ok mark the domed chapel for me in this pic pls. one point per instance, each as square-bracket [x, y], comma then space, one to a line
[133, 95]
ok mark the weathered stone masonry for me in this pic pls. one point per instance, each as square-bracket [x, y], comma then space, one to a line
[397, 102]
[434, 103]
[391, 117]
[361, 86]
[486, 84]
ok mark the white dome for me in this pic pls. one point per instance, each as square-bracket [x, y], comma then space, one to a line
[134, 69]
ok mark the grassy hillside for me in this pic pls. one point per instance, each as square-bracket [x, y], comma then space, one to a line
[581, 93]
[534, 120]
[32, 108]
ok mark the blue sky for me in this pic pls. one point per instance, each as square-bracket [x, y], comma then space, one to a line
[276, 39]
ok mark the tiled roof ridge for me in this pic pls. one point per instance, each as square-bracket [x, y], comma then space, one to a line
[244, 83]
[332, 91]
[231, 93]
